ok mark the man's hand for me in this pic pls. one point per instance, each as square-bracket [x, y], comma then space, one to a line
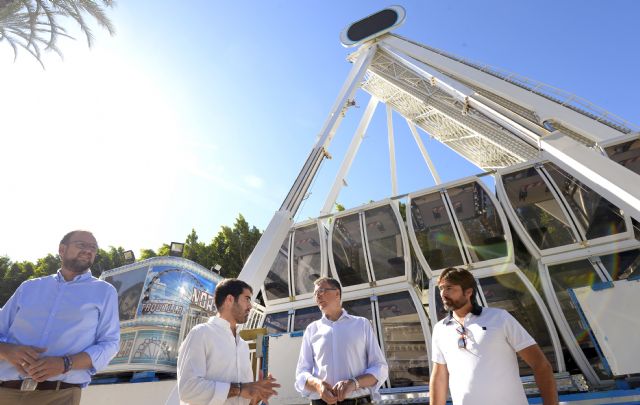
[45, 368]
[326, 392]
[21, 357]
[343, 388]
[260, 390]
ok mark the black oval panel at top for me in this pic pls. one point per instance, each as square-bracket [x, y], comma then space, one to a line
[371, 25]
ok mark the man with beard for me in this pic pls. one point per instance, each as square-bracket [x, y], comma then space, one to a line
[57, 331]
[340, 361]
[474, 351]
[214, 366]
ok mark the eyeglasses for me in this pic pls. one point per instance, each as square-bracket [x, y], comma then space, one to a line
[462, 340]
[322, 291]
[85, 246]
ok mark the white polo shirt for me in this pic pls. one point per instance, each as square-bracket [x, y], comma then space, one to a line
[486, 371]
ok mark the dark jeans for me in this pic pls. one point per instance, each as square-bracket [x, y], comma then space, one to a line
[351, 401]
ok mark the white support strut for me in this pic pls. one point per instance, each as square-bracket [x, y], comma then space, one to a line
[259, 262]
[392, 152]
[356, 141]
[423, 151]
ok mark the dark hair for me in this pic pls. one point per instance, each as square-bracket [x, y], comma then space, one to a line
[331, 281]
[461, 277]
[67, 238]
[229, 286]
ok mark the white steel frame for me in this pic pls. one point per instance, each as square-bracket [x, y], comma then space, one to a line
[365, 243]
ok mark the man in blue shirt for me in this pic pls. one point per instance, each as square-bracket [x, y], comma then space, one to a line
[57, 331]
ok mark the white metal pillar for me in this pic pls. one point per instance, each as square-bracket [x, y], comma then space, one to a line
[257, 266]
[423, 151]
[356, 141]
[392, 152]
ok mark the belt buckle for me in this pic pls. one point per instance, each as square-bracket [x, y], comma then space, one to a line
[28, 384]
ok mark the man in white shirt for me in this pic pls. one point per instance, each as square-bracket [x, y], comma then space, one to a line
[474, 351]
[214, 367]
[340, 360]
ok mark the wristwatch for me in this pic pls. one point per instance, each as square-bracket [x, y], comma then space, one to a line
[355, 381]
[237, 386]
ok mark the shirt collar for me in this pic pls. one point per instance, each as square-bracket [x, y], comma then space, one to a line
[475, 310]
[79, 277]
[221, 322]
[344, 315]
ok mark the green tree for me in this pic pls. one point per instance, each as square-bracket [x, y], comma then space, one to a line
[147, 254]
[47, 265]
[232, 246]
[14, 274]
[164, 250]
[34, 25]
[107, 260]
[194, 250]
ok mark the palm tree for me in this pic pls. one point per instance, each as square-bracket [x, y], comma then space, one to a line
[35, 24]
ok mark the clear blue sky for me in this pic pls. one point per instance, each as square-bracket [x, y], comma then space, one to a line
[195, 112]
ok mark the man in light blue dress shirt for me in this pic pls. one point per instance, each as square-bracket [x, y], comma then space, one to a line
[59, 330]
[340, 360]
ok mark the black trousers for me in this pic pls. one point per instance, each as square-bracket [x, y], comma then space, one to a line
[351, 401]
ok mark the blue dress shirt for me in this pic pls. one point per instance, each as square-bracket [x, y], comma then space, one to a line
[66, 318]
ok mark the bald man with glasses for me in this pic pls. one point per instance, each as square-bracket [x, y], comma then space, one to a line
[59, 330]
[340, 360]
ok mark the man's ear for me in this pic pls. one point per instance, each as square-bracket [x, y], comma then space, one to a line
[468, 293]
[61, 249]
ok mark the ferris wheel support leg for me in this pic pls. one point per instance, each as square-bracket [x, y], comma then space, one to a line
[609, 179]
[265, 252]
[257, 267]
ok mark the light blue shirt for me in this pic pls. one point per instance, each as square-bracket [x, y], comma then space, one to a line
[66, 318]
[340, 350]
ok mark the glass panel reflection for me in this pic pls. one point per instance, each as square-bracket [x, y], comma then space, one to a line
[508, 292]
[434, 232]
[404, 342]
[276, 322]
[385, 242]
[622, 265]
[305, 316]
[537, 209]
[306, 258]
[360, 307]
[481, 226]
[348, 254]
[597, 216]
[573, 275]
[627, 154]
[276, 284]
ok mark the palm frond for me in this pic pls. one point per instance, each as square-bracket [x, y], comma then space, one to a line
[35, 24]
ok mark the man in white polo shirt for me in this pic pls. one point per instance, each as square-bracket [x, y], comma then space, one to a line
[474, 351]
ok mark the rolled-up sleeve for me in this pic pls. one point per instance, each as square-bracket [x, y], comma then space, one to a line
[304, 369]
[193, 386]
[107, 333]
[376, 362]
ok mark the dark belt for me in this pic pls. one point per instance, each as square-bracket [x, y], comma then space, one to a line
[45, 385]
[350, 401]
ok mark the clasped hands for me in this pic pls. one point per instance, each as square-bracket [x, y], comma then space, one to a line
[29, 362]
[337, 393]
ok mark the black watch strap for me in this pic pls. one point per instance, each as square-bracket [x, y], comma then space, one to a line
[237, 386]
